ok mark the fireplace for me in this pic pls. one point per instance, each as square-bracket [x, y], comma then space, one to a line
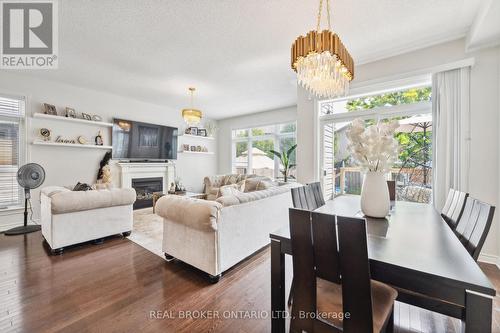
[145, 187]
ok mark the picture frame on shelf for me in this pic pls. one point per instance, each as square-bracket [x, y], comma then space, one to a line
[45, 134]
[185, 147]
[202, 132]
[193, 130]
[70, 113]
[49, 109]
[86, 116]
[193, 148]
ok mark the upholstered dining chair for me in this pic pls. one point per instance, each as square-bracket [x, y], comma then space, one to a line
[474, 225]
[331, 281]
[456, 208]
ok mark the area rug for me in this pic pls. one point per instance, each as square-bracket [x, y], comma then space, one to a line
[148, 230]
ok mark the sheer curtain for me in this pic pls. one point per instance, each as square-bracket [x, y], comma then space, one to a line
[451, 132]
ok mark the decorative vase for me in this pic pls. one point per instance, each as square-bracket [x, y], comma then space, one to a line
[375, 195]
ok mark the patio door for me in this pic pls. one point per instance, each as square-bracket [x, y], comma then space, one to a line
[412, 172]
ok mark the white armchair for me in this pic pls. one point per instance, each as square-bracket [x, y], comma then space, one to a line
[73, 217]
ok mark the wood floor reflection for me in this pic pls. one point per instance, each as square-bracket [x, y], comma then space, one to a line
[117, 286]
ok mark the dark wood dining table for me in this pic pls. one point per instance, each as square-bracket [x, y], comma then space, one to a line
[413, 250]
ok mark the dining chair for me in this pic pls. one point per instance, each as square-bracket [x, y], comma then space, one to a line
[308, 197]
[447, 204]
[333, 281]
[318, 194]
[391, 184]
[474, 225]
[304, 197]
[456, 209]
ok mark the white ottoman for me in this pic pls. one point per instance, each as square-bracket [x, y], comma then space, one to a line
[72, 217]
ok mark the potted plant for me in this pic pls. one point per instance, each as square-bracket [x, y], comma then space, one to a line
[284, 158]
[375, 149]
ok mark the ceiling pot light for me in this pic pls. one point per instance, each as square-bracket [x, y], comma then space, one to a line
[191, 115]
[324, 66]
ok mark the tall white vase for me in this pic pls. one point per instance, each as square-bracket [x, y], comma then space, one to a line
[375, 195]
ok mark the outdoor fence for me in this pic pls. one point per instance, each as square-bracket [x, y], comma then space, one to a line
[412, 184]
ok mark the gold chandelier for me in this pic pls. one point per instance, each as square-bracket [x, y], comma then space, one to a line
[324, 66]
[191, 115]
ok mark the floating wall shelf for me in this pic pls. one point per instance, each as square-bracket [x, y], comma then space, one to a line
[196, 136]
[72, 145]
[71, 120]
[197, 152]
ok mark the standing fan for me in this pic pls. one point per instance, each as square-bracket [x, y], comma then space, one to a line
[29, 176]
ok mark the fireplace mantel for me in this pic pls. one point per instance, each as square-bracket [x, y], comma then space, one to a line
[132, 170]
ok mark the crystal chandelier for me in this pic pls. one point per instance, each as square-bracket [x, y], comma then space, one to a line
[191, 115]
[324, 66]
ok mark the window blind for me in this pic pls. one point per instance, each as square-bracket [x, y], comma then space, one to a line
[11, 115]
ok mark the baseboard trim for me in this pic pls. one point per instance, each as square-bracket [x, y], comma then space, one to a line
[489, 259]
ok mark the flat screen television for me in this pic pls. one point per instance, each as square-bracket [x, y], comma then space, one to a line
[133, 140]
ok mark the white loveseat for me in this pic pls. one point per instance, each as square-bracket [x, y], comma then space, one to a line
[73, 217]
[213, 236]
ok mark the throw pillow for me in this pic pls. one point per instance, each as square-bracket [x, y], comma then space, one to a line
[82, 187]
[251, 184]
[241, 186]
[213, 193]
[229, 190]
[263, 185]
[232, 179]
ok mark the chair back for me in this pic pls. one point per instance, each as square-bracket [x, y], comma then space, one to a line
[318, 194]
[474, 225]
[447, 204]
[391, 184]
[316, 255]
[456, 209]
[305, 198]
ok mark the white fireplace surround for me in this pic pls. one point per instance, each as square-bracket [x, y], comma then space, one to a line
[132, 170]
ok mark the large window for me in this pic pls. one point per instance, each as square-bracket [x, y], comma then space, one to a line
[413, 170]
[11, 149]
[252, 149]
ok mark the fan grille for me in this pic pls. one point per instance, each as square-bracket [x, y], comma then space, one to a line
[31, 175]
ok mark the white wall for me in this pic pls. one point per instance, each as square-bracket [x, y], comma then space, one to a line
[66, 166]
[256, 119]
[307, 122]
[485, 108]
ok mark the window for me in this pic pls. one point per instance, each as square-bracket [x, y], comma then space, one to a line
[252, 149]
[413, 170]
[11, 149]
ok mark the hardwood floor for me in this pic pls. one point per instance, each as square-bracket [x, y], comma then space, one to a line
[114, 287]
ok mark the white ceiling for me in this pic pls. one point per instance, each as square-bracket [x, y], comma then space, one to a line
[236, 52]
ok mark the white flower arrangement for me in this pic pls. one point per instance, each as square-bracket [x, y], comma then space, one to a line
[374, 148]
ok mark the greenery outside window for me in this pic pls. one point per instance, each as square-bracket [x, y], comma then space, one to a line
[413, 170]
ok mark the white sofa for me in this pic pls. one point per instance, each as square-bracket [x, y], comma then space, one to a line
[73, 217]
[213, 236]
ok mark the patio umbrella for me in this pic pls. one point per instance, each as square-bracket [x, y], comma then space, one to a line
[260, 160]
[418, 124]
[415, 124]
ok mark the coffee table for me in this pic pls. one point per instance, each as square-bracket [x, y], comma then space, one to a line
[195, 195]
